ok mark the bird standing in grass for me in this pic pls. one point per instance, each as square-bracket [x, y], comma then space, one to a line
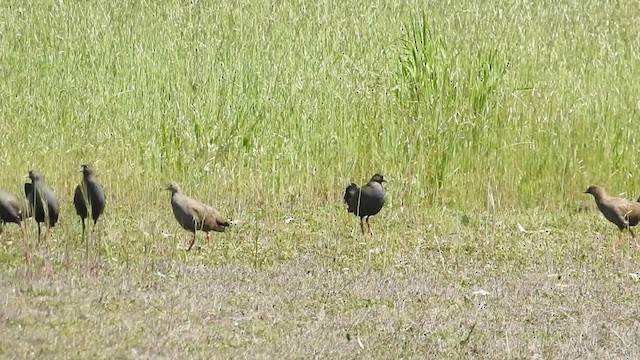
[12, 209]
[366, 201]
[194, 215]
[43, 203]
[89, 196]
[622, 212]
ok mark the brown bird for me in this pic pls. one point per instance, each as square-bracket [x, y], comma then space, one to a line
[194, 215]
[366, 201]
[622, 212]
[12, 209]
[43, 203]
[88, 197]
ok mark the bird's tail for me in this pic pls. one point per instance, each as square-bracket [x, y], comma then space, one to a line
[351, 197]
[351, 192]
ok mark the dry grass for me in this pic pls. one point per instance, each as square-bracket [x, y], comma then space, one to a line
[484, 289]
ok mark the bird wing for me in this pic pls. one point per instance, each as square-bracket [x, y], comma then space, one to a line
[208, 217]
[96, 192]
[216, 216]
[374, 191]
[189, 206]
[630, 211]
[28, 190]
[79, 202]
[197, 209]
[53, 206]
[372, 198]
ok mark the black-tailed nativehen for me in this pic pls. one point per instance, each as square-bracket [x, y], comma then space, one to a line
[12, 209]
[622, 212]
[194, 215]
[89, 197]
[366, 201]
[42, 202]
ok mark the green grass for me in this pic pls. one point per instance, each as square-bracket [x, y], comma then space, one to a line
[267, 111]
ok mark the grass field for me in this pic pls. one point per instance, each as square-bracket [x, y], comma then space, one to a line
[488, 118]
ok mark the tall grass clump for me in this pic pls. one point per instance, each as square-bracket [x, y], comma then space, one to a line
[531, 112]
[449, 94]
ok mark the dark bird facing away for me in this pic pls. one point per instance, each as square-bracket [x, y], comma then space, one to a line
[194, 215]
[43, 203]
[12, 209]
[89, 196]
[366, 201]
[622, 212]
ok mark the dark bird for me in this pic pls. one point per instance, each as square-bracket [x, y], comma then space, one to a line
[43, 203]
[366, 201]
[89, 196]
[194, 215]
[12, 209]
[622, 212]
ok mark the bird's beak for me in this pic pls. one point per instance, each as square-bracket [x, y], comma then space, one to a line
[80, 170]
[383, 180]
[26, 176]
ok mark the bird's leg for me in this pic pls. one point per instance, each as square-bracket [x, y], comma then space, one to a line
[193, 241]
[86, 245]
[362, 225]
[208, 239]
[38, 234]
[25, 242]
[616, 242]
[633, 235]
[369, 226]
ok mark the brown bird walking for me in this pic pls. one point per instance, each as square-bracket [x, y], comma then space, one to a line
[366, 201]
[194, 215]
[622, 212]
